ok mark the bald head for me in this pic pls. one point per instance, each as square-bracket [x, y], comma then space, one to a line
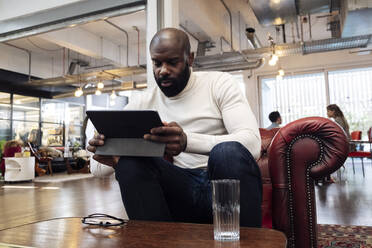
[171, 60]
[171, 37]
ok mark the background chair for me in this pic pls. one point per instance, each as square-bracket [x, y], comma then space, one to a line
[40, 159]
[357, 136]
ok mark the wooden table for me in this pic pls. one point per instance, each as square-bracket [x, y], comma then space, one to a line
[70, 232]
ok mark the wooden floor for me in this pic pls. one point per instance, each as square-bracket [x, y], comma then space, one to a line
[52, 200]
[348, 201]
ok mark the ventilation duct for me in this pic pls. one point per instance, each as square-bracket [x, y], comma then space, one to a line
[269, 12]
[230, 61]
[318, 46]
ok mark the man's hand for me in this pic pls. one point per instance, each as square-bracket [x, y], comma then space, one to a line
[99, 140]
[172, 135]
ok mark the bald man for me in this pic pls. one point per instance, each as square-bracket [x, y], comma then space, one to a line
[209, 131]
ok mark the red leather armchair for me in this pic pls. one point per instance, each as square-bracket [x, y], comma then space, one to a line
[292, 157]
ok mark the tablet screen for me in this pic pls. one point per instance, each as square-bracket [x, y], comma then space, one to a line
[124, 123]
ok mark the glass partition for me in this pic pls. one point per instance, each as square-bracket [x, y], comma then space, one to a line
[52, 111]
[26, 108]
[27, 131]
[52, 134]
[5, 106]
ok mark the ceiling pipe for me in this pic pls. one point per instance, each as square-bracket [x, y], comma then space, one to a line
[283, 31]
[309, 20]
[302, 29]
[29, 58]
[223, 39]
[126, 35]
[231, 66]
[138, 39]
[191, 34]
[230, 16]
[298, 33]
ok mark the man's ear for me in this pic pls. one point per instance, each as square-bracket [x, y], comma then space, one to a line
[190, 58]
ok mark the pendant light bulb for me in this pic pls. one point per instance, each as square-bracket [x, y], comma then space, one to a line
[79, 92]
[273, 60]
[98, 92]
[100, 85]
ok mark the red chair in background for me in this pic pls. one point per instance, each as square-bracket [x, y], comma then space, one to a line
[357, 136]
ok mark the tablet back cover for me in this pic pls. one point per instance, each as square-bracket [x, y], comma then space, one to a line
[124, 132]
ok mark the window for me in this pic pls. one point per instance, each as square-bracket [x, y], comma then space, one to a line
[26, 108]
[5, 108]
[52, 134]
[351, 90]
[52, 111]
[294, 97]
[305, 95]
[74, 123]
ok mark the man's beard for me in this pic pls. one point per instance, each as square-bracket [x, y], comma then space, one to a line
[178, 84]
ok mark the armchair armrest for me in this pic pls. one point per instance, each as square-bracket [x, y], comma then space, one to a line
[303, 150]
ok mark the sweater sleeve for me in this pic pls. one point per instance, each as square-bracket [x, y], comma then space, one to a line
[237, 116]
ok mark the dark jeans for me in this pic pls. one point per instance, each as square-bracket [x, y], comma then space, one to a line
[154, 189]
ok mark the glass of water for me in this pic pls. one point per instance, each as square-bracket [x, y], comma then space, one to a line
[226, 209]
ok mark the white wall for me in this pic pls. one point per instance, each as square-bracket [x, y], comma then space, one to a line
[303, 63]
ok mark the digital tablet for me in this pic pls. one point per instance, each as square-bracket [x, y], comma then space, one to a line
[124, 131]
[124, 123]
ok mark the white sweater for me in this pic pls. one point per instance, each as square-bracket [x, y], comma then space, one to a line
[211, 109]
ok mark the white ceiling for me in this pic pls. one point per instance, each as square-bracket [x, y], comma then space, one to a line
[205, 19]
[126, 22]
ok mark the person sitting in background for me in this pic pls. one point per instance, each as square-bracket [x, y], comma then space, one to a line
[333, 111]
[11, 147]
[276, 120]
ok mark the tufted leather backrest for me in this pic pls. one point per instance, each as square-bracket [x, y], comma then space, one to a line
[266, 138]
[263, 163]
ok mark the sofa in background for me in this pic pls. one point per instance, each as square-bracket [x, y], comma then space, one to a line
[292, 157]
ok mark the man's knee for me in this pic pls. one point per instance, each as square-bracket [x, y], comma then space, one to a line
[230, 159]
[132, 168]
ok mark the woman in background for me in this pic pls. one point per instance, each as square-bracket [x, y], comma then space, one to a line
[333, 111]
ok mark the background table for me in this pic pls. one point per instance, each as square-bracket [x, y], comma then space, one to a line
[71, 232]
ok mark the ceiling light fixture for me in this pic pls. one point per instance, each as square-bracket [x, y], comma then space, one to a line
[281, 72]
[79, 92]
[98, 92]
[100, 85]
[279, 77]
[273, 60]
